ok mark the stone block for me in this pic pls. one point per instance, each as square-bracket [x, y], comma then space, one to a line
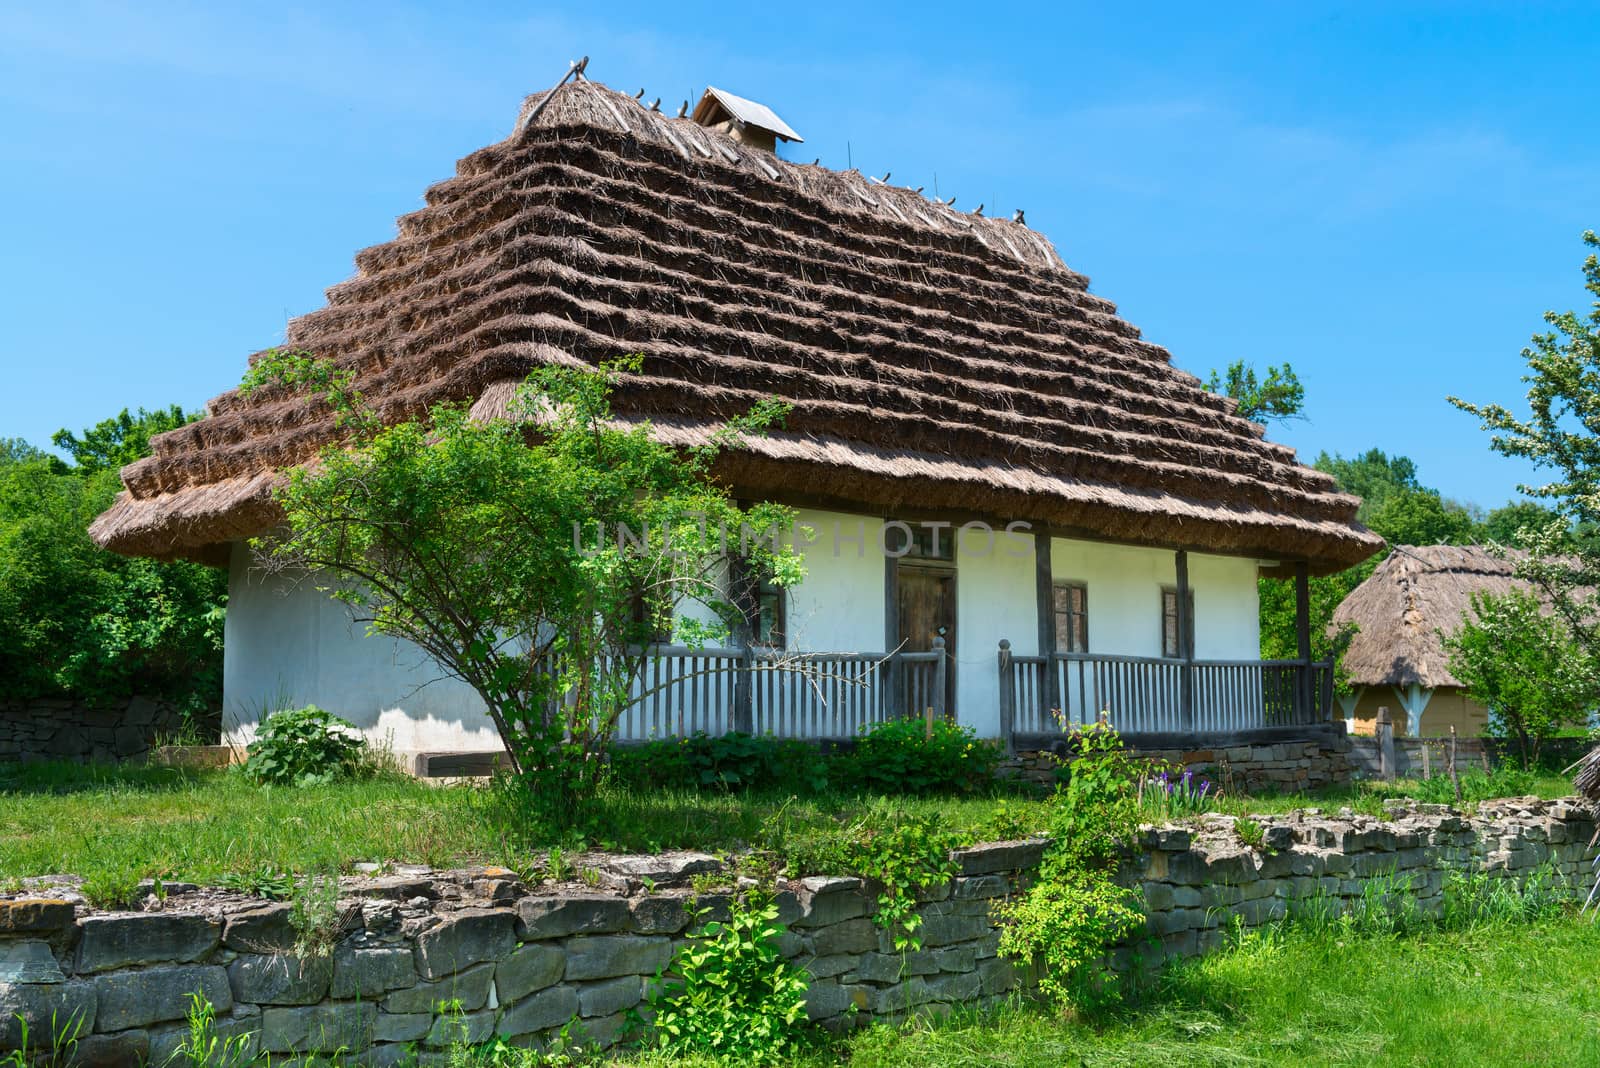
[955, 987]
[824, 1000]
[901, 997]
[472, 1028]
[258, 979]
[956, 958]
[658, 915]
[318, 1028]
[604, 956]
[38, 1004]
[557, 917]
[243, 1023]
[997, 976]
[540, 1012]
[999, 857]
[470, 988]
[125, 1049]
[401, 1026]
[532, 967]
[154, 995]
[1157, 896]
[825, 901]
[35, 916]
[117, 941]
[828, 967]
[609, 995]
[371, 972]
[260, 930]
[944, 930]
[850, 936]
[979, 886]
[29, 962]
[465, 938]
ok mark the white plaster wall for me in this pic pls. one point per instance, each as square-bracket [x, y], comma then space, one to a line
[839, 606]
[1125, 598]
[996, 597]
[288, 645]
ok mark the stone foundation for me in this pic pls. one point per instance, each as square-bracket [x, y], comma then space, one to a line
[64, 729]
[1270, 760]
[524, 962]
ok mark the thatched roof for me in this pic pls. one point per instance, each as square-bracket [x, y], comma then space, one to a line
[936, 360]
[1417, 592]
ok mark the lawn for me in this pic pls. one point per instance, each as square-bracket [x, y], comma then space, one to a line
[1501, 994]
[120, 823]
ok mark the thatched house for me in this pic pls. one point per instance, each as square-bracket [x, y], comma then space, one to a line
[942, 367]
[1397, 659]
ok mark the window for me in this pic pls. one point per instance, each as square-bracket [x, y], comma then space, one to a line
[1072, 617]
[651, 631]
[1171, 645]
[767, 622]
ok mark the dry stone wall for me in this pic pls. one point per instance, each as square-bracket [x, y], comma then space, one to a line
[63, 729]
[1254, 762]
[524, 962]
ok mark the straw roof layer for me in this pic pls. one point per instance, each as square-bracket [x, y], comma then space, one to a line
[1400, 610]
[935, 360]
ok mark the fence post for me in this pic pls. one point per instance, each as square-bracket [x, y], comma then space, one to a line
[1008, 697]
[940, 675]
[1455, 782]
[1384, 730]
[743, 700]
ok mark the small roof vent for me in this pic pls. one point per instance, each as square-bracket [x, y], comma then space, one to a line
[745, 121]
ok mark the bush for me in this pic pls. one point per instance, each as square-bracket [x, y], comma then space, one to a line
[1072, 916]
[908, 756]
[1504, 781]
[734, 999]
[728, 762]
[306, 747]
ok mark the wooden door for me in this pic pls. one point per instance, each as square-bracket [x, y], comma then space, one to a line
[927, 604]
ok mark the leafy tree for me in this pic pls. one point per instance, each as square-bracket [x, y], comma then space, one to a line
[1561, 435]
[1511, 523]
[533, 557]
[1522, 664]
[1422, 517]
[16, 451]
[112, 444]
[1278, 396]
[76, 620]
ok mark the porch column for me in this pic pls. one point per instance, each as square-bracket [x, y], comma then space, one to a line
[1302, 637]
[1185, 644]
[1045, 596]
[1414, 699]
[891, 636]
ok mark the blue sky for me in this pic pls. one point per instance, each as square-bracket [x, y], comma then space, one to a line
[1387, 195]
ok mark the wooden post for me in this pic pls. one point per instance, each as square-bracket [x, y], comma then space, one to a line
[744, 718]
[1384, 730]
[1008, 697]
[1185, 644]
[940, 670]
[1455, 782]
[1045, 596]
[891, 637]
[1427, 764]
[1302, 638]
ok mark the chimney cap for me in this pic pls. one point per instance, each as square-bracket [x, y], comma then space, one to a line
[717, 105]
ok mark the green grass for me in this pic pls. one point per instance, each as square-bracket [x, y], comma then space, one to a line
[1497, 994]
[121, 823]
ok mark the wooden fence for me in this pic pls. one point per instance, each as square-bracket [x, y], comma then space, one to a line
[1046, 694]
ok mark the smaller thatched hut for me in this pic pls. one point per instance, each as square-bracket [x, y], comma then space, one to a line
[1397, 658]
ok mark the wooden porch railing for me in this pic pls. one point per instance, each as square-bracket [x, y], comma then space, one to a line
[1044, 694]
[682, 690]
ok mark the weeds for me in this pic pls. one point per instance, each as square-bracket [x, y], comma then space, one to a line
[204, 1048]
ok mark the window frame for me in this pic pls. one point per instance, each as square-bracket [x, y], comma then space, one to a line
[1171, 592]
[1058, 616]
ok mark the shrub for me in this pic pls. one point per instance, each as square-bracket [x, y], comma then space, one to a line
[910, 756]
[731, 996]
[1075, 912]
[1504, 781]
[305, 747]
[728, 762]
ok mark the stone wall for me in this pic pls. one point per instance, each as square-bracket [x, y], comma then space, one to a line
[523, 962]
[1271, 760]
[64, 729]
